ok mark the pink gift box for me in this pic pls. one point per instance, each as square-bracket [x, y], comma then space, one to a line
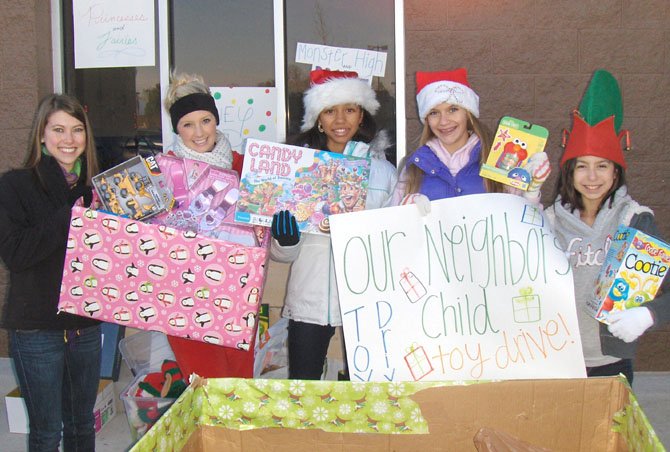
[154, 277]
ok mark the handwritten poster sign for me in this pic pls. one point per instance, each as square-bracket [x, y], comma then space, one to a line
[367, 63]
[246, 112]
[113, 33]
[475, 290]
[310, 183]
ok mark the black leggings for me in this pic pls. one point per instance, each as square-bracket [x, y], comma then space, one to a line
[624, 366]
[307, 349]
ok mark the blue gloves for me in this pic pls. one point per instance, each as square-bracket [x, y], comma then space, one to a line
[285, 228]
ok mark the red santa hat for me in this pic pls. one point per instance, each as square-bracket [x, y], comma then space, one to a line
[330, 88]
[434, 88]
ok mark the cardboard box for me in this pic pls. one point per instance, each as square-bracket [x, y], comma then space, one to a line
[157, 278]
[634, 268]
[104, 411]
[595, 414]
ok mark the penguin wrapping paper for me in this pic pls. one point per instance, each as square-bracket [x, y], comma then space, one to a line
[154, 277]
[634, 268]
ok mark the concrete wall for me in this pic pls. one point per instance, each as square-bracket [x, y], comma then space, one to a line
[531, 59]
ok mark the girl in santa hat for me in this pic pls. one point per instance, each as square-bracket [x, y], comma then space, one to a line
[454, 145]
[591, 202]
[339, 109]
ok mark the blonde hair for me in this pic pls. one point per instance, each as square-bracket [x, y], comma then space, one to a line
[415, 175]
[47, 107]
[182, 85]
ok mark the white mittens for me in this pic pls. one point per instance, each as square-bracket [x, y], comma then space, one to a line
[539, 168]
[421, 201]
[629, 324]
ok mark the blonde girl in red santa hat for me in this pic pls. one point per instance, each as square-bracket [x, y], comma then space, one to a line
[591, 202]
[454, 144]
[339, 109]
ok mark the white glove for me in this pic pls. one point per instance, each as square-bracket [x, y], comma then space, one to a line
[421, 201]
[539, 168]
[629, 324]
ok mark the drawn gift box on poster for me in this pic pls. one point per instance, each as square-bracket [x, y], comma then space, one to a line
[526, 307]
[154, 277]
[418, 363]
[412, 286]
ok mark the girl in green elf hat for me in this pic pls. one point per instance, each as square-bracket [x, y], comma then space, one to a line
[591, 201]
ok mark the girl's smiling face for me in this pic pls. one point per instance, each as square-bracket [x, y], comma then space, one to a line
[449, 123]
[65, 138]
[198, 130]
[340, 123]
[593, 178]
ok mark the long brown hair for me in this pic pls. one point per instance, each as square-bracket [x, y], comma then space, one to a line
[415, 175]
[67, 104]
[571, 198]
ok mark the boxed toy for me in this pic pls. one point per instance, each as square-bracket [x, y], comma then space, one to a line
[155, 277]
[134, 188]
[634, 268]
[311, 184]
[205, 198]
[594, 414]
[514, 142]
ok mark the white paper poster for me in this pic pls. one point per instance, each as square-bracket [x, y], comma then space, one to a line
[367, 63]
[246, 112]
[475, 290]
[113, 33]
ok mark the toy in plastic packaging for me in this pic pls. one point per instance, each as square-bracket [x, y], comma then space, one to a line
[135, 189]
[514, 142]
[205, 198]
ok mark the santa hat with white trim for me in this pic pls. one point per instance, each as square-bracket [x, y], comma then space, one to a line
[434, 88]
[330, 88]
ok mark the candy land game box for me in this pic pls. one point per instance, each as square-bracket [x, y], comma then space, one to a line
[632, 273]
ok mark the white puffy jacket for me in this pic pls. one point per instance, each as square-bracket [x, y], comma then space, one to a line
[311, 294]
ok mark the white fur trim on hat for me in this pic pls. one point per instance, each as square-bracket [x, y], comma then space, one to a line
[335, 92]
[436, 93]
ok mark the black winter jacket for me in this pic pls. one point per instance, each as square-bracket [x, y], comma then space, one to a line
[34, 225]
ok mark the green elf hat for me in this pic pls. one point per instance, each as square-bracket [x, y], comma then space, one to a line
[596, 125]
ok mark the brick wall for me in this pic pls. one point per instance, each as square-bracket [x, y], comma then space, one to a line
[532, 59]
[25, 76]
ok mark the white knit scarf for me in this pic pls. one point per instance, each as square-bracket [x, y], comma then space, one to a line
[221, 155]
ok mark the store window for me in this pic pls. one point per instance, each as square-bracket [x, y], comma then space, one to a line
[229, 43]
[344, 24]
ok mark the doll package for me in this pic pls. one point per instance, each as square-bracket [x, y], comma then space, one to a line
[205, 198]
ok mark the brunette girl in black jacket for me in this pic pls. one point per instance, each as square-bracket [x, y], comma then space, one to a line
[56, 355]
